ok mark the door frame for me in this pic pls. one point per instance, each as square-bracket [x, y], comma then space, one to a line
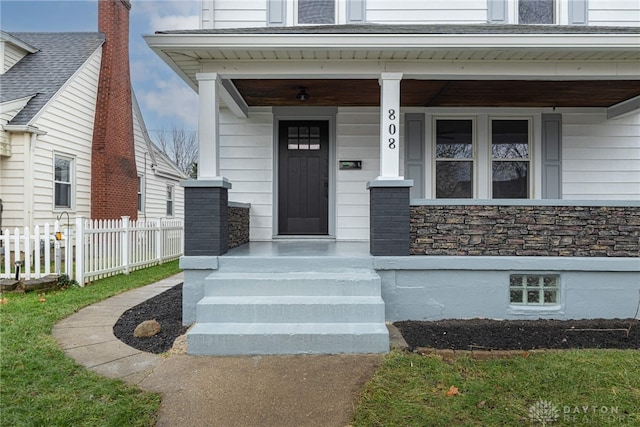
[306, 113]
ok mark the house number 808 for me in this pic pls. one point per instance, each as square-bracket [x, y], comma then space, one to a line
[392, 129]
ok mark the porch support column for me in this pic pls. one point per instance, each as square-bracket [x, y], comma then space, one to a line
[389, 193]
[390, 126]
[208, 126]
[206, 222]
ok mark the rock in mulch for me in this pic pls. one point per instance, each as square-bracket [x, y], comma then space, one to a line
[147, 329]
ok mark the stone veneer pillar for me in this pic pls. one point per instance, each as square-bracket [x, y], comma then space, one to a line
[389, 217]
[206, 218]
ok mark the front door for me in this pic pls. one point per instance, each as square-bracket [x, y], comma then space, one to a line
[303, 177]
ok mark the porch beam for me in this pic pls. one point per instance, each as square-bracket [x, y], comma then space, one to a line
[208, 126]
[233, 99]
[444, 70]
[623, 108]
[390, 126]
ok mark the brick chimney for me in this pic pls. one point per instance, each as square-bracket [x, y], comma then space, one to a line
[114, 179]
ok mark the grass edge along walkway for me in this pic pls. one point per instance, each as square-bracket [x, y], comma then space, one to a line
[556, 388]
[41, 386]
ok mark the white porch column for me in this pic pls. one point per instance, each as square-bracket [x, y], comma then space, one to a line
[208, 126]
[390, 126]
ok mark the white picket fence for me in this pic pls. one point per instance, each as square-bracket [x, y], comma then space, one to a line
[90, 249]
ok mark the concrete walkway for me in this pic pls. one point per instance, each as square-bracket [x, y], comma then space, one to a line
[218, 391]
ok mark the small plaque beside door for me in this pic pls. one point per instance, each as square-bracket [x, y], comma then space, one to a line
[350, 164]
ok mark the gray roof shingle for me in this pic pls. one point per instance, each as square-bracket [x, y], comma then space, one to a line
[43, 73]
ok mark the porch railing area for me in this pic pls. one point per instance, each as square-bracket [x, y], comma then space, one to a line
[89, 249]
[558, 228]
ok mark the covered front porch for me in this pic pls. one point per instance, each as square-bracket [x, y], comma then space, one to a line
[413, 140]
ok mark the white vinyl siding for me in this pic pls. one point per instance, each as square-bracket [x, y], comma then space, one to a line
[12, 182]
[11, 55]
[358, 131]
[614, 13]
[427, 12]
[246, 158]
[254, 13]
[600, 157]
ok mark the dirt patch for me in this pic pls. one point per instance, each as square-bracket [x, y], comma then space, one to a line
[483, 334]
[473, 334]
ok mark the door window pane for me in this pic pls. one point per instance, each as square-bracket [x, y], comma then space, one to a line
[316, 11]
[535, 11]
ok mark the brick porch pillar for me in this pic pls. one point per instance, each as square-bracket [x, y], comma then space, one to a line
[389, 217]
[206, 218]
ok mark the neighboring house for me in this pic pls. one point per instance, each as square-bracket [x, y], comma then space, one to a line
[71, 138]
[495, 141]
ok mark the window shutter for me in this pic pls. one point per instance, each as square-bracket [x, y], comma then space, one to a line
[355, 11]
[551, 156]
[414, 153]
[276, 12]
[497, 11]
[578, 12]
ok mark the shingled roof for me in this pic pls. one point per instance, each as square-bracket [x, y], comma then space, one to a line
[44, 72]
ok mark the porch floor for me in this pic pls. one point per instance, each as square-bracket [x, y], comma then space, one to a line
[302, 248]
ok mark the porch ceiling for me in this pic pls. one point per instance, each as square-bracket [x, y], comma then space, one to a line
[439, 93]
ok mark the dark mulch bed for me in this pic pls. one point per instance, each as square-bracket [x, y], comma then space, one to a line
[166, 308]
[481, 334]
[471, 334]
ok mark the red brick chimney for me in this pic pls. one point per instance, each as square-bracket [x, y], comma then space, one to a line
[114, 179]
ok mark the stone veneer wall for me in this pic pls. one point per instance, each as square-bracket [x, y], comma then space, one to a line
[489, 230]
[238, 225]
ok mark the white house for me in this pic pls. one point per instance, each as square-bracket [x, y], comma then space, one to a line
[50, 98]
[497, 142]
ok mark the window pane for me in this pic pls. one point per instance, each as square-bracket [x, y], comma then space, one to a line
[550, 281]
[510, 139]
[516, 296]
[62, 170]
[454, 139]
[515, 280]
[453, 180]
[316, 11]
[510, 180]
[535, 12]
[533, 297]
[63, 195]
[550, 297]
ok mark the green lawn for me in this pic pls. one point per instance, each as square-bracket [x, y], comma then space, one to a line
[40, 386]
[586, 387]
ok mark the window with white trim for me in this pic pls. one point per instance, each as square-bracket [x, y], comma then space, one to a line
[454, 158]
[140, 193]
[63, 182]
[316, 11]
[510, 158]
[169, 200]
[534, 289]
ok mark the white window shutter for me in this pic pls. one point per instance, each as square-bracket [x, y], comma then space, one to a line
[497, 11]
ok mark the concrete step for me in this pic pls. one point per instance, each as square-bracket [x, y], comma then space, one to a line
[345, 283]
[267, 264]
[290, 309]
[287, 338]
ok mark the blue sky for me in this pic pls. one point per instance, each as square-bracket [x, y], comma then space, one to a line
[165, 100]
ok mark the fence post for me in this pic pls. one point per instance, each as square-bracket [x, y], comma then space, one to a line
[26, 265]
[56, 230]
[7, 253]
[36, 251]
[159, 242]
[125, 244]
[79, 256]
[16, 246]
[47, 249]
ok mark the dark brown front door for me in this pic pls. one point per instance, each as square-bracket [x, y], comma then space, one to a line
[303, 177]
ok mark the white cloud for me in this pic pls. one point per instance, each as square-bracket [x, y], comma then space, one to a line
[167, 15]
[171, 102]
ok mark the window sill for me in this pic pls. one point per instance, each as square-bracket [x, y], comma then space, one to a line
[535, 309]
